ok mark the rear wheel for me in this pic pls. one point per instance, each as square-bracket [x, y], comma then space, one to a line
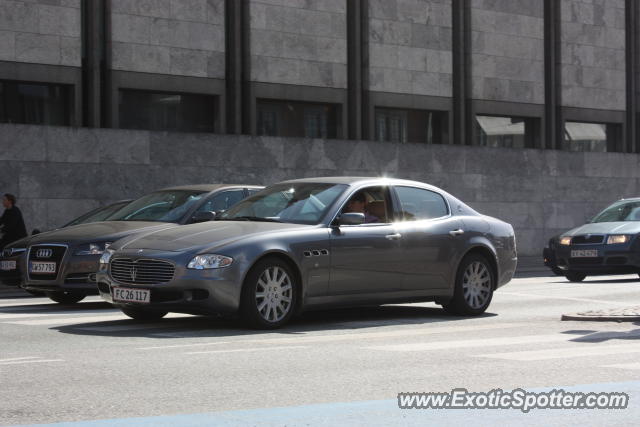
[143, 314]
[574, 276]
[474, 287]
[269, 294]
[64, 297]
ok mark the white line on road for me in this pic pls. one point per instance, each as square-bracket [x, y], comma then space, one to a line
[581, 350]
[53, 313]
[241, 350]
[596, 301]
[17, 358]
[70, 320]
[347, 336]
[21, 362]
[500, 341]
[635, 366]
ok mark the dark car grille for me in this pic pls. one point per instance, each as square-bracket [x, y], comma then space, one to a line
[585, 261]
[587, 239]
[141, 271]
[47, 253]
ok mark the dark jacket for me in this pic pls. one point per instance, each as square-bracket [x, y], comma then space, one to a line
[12, 225]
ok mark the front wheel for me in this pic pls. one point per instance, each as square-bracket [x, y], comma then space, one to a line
[269, 294]
[64, 297]
[573, 276]
[473, 289]
[143, 314]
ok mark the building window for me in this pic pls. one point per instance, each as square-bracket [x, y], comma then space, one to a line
[35, 103]
[602, 137]
[397, 125]
[298, 119]
[167, 111]
[507, 132]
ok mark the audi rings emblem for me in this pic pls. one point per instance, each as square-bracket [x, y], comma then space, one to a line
[44, 253]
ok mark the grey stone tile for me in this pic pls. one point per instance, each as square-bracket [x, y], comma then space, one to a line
[123, 147]
[23, 143]
[70, 51]
[188, 62]
[7, 45]
[62, 21]
[37, 48]
[130, 28]
[72, 145]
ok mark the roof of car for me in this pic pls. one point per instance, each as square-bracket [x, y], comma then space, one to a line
[208, 187]
[355, 180]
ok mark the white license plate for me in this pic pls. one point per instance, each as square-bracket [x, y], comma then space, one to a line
[131, 295]
[41, 267]
[7, 265]
[584, 253]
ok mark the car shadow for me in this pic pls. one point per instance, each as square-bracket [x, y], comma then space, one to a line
[592, 281]
[595, 336]
[314, 321]
[54, 307]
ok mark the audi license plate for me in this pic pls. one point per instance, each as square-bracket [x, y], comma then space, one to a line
[142, 296]
[584, 253]
[7, 265]
[41, 267]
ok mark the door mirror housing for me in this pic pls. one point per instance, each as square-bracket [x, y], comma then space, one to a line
[351, 218]
[203, 216]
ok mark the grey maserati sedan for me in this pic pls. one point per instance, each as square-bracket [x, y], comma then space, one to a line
[311, 243]
[63, 263]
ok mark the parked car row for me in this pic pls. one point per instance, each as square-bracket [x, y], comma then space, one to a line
[608, 244]
[268, 254]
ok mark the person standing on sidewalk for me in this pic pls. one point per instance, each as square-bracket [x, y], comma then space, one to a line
[11, 222]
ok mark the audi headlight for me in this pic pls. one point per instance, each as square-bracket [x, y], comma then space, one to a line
[615, 239]
[207, 261]
[92, 248]
[9, 252]
[106, 256]
[565, 240]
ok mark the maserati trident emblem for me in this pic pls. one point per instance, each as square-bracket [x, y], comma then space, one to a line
[133, 274]
[44, 253]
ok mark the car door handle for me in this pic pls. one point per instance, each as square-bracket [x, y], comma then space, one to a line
[457, 232]
[395, 236]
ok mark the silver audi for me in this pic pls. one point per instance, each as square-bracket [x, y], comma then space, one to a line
[317, 242]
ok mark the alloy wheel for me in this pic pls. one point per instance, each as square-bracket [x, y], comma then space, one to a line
[274, 292]
[476, 285]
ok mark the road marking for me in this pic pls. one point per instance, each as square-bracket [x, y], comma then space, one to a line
[562, 353]
[43, 301]
[343, 336]
[635, 366]
[53, 313]
[505, 341]
[70, 320]
[21, 362]
[241, 350]
[596, 301]
[17, 358]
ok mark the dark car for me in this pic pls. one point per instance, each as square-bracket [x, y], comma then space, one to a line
[10, 273]
[312, 243]
[609, 244]
[549, 256]
[63, 263]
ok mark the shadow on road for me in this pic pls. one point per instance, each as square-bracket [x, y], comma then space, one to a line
[316, 321]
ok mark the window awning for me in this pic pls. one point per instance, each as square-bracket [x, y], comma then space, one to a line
[500, 125]
[586, 131]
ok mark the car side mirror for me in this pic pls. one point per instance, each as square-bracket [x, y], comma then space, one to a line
[351, 218]
[203, 216]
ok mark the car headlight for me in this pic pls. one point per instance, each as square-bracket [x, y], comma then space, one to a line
[565, 240]
[92, 248]
[207, 261]
[615, 239]
[9, 252]
[106, 256]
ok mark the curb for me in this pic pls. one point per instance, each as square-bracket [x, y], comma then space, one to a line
[629, 314]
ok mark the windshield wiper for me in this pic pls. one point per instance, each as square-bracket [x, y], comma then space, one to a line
[249, 218]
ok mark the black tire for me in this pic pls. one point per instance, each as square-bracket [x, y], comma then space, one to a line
[36, 293]
[64, 297]
[574, 276]
[477, 268]
[143, 314]
[280, 300]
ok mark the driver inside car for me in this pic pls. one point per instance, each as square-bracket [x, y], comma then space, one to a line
[357, 204]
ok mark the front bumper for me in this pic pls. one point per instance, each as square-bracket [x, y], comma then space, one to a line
[74, 273]
[211, 292]
[11, 277]
[610, 259]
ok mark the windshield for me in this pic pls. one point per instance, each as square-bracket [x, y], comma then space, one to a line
[161, 206]
[96, 215]
[298, 203]
[620, 211]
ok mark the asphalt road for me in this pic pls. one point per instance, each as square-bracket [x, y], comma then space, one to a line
[89, 362]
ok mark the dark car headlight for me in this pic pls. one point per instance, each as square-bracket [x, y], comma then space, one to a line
[9, 252]
[92, 248]
[617, 239]
[208, 261]
[565, 241]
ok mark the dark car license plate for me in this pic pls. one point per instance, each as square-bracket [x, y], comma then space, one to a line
[584, 253]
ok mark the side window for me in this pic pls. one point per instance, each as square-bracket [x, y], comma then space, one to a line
[373, 202]
[222, 201]
[417, 204]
